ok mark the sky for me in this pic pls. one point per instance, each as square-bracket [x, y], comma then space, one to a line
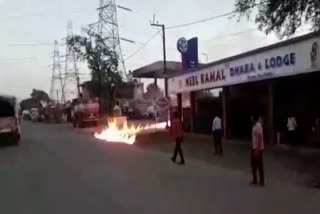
[40, 22]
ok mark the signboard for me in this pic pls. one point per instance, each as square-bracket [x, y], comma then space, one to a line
[182, 45]
[189, 52]
[161, 106]
[161, 103]
[301, 57]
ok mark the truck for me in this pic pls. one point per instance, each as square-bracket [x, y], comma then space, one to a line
[53, 113]
[85, 112]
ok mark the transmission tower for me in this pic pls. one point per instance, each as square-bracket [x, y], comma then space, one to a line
[57, 89]
[71, 80]
[107, 27]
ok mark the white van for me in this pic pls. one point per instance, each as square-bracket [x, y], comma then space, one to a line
[9, 120]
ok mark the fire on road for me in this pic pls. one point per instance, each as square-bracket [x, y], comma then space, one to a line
[126, 133]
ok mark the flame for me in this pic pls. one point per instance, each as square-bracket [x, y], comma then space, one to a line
[126, 134]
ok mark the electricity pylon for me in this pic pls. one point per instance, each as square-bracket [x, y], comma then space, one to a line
[57, 90]
[71, 78]
[108, 28]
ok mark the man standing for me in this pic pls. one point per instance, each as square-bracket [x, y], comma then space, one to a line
[292, 126]
[257, 152]
[216, 130]
[117, 110]
[177, 132]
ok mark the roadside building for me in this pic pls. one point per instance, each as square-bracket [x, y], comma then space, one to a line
[275, 81]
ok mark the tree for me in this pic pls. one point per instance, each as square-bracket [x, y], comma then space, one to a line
[281, 16]
[35, 99]
[39, 95]
[102, 62]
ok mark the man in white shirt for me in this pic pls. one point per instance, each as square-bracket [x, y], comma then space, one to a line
[216, 130]
[117, 110]
[257, 152]
[292, 126]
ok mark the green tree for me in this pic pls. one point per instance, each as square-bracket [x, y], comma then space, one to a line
[281, 16]
[36, 97]
[39, 95]
[102, 62]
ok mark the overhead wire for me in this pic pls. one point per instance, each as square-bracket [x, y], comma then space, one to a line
[143, 46]
[211, 18]
[223, 36]
[196, 22]
[30, 44]
[200, 21]
[216, 37]
[48, 14]
[17, 59]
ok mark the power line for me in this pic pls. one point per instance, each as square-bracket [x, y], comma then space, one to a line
[201, 20]
[216, 37]
[48, 15]
[143, 46]
[18, 59]
[30, 44]
[222, 36]
[214, 17]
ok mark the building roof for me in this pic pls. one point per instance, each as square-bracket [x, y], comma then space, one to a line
[155, 70]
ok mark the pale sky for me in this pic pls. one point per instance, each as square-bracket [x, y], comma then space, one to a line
[43, 21]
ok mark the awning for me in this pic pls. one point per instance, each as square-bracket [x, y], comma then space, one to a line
[155, 70]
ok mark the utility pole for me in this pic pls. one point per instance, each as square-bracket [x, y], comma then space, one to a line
[163, 28]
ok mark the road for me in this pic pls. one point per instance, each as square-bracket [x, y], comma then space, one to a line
[58, 169]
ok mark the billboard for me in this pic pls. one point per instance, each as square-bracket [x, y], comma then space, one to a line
[189, 52]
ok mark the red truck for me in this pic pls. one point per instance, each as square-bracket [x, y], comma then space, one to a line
[85, 112]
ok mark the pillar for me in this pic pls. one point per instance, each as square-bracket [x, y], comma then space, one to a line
[179, 100]
[193, 105]
[225, 94]
[270, 114]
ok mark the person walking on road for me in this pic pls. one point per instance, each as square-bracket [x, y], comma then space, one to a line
[257, 153]
[217, 135]
[177, 132]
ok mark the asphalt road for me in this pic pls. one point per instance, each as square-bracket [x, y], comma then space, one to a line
[58, 169]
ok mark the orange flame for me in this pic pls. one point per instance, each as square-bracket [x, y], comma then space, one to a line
[126, 134]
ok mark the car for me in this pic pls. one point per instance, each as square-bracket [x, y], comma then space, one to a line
[9, 120]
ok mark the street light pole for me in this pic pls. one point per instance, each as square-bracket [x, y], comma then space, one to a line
[206, 55]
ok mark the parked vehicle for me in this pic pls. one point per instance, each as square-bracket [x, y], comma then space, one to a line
[86, 112]
[26, 115]
[9, 120]
[53, 114]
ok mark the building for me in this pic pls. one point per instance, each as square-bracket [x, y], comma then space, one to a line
[274, 81]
